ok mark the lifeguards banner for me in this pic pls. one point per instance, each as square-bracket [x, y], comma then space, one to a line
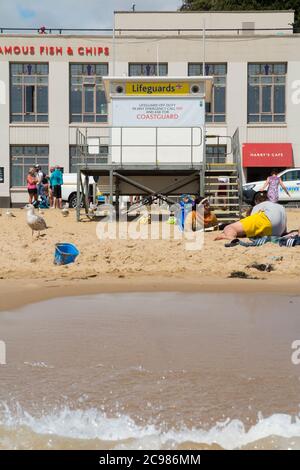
[157, 88]
[158, 112]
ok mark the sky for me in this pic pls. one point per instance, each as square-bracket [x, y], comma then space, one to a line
[73, 13]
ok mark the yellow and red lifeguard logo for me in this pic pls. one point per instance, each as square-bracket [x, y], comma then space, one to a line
[157, 88]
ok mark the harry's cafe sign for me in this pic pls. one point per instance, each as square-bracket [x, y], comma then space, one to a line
[160, 88]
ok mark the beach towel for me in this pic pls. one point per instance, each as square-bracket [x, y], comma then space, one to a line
[281, 241]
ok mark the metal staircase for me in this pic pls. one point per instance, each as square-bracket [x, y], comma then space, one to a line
[222, 186]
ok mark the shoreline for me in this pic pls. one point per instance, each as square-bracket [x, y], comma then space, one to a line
[13, 296]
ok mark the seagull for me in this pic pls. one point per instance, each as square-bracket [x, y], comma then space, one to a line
[35, 222]
[65, 210]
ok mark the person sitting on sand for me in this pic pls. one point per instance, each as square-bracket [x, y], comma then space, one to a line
[267, 218]
[207, 219]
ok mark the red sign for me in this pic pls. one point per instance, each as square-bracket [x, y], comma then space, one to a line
[87, 51]
[267, 155]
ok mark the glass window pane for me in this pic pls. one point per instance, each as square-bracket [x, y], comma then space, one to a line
[279, 69]
[253, 99]
[88, 118]
[219, 118]
[16, 69]
[29, 150]
[266, 99]
[279, 99]
[266, 118]
[42, 150]
[89, 99]
[254, 69]
[76, 100]
[101, 107]
[102, 69]
[16, 150]
[279, 118]
[42, 99]
[76, 69]
[163, 70]
[42, 69]
[253, 118]
[101, 118]
[219, 69]
[76, 118]
[29, 117]
[194, 70]
[219, 99]
[16, 118]
[17, 175]
[134, 70]
[16, 99]
[29, 99]
[42, 118]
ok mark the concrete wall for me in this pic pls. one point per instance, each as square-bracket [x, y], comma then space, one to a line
[194, 20]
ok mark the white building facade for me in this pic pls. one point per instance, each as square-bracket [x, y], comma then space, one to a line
[51, 84]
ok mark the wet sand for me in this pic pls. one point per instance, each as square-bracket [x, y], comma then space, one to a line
[16, 293]
[151, 370]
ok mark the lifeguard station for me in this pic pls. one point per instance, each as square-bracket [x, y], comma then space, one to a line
[156, 140]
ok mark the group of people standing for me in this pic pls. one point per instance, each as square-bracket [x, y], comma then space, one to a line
[45, 190]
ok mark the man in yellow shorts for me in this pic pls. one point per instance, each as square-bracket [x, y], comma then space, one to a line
[266, 219]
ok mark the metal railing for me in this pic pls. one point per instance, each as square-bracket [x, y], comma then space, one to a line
[178, 31]
[83, 136]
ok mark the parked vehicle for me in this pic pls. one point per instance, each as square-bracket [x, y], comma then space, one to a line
[291, 179]
[69, 189]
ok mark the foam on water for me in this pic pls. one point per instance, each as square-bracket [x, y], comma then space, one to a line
[123, 432]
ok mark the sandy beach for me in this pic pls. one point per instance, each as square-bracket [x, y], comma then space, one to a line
[27, 272]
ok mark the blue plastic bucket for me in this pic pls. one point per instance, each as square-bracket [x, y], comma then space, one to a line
[65, 253]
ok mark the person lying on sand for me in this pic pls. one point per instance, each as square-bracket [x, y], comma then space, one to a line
[266, 219]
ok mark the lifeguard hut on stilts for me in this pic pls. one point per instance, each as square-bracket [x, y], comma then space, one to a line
[156, 142]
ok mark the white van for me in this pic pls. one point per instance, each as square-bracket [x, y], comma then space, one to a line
[290, 178]
[69, 190]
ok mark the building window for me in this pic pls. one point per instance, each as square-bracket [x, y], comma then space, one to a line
[92, 158]
[216, 110]
[216, 153]
[87, 97]
[148, 70]
[266, 92]
[29, 92]
[24, 157]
